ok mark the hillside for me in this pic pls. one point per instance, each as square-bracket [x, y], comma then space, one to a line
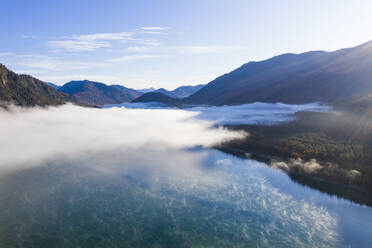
[145, 90]
[158, 97]
[187, 90]
[165, 92]
[180, 92]
[54, 85]
[294, 78]
[340, 141]
[96, 93]
[25, 90]
[132, 94]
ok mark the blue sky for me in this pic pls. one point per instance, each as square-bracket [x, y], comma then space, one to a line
[141, 43]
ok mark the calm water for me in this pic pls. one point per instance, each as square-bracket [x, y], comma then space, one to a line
[184, 198]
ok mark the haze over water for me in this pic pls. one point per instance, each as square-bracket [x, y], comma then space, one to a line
[138, 177]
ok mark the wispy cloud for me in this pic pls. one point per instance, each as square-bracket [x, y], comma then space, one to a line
[5, 54]
[152, 32]
[138, 48]
[63, 78]
[53, 64]
[91, 42]
[83, 54]
[88, 42]
[77, 45]
[210, 49]
[194, 49]
[37, 64]
[153, 28]
[104, 36]
[133, 57]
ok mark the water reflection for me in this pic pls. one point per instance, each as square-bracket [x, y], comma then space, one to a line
[174, 198]
[349, 193]
[76, 177]
[333, 189]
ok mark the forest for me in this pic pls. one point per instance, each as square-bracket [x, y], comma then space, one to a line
[335, 146]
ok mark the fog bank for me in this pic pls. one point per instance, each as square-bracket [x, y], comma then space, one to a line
[32, 136]
[253, 113]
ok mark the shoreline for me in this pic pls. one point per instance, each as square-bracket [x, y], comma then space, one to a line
[363, 194]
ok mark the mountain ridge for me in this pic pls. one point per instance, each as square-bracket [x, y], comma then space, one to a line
[288, 78]
[158, 97]
[96, 93]
[25, 90]
[179, 92]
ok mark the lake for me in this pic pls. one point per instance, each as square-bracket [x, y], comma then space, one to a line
[157, 192]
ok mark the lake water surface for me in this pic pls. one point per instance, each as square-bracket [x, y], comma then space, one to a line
[160, 195]
[221, 201]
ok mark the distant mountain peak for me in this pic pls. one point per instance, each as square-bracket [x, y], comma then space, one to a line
[158, 97]
[26, 90]
[294, 78]
[180, 92]
[97, 93]
[54, 85]
[146, 90]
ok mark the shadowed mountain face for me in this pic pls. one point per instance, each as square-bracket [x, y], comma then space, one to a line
[96, 93]
[294, 78]
[185, 91]
[54, 85]
[180, 92]
[25, 90]
[145, 90]
[158, 97]
[132, 94]
[165, 92]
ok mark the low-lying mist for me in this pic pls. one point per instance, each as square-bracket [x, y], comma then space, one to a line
[253, 113]
[36, 135]
[85, 171]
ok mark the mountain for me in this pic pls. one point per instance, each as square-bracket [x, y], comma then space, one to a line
[96, 93]
[131, 92]
[170, 98]
[158, 97]
[165, 92]
[188, 90]
[294, 78]
[180, 92]
[25, 90]
[54, 85]
[147, 90]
